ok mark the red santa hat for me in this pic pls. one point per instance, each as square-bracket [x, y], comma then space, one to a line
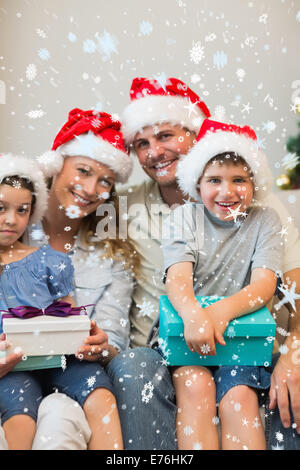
[215, 138]
[89, 134]
[24, 167]
[156, 103]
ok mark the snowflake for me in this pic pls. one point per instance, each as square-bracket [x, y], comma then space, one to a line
[220, 59]
[123, 322]
[279, 436]
[73, 212]
[197, 446]
[31, 72]
[283, 349]
[231, 332]
[91, 381]
[235, 213]
[146, 28]
[240, 73]
[215, 420]
[147, 392]
[62, 266]
[107, 45]
[269, 126]
[44, 54]
[89, 46]
[277, 447]
[36, 114]
[290, 161]
[37, 234]
[16, 184]
[289, 296]
[146, 308]
[298, 16]
[63, 362]
[41, 33]
[68, 246]
[205, 348]
[72, 37]
[196, 52]
[188, 430]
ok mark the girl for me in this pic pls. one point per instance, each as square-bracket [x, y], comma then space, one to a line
[38, 277]
[82, 179]
[236, 253]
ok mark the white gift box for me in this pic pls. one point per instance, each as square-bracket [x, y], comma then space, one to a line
[47, 335]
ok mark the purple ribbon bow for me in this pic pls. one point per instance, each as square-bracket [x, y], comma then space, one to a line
[57, 309]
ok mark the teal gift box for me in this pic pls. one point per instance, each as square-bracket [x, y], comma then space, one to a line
[249, 339]
[36, 362]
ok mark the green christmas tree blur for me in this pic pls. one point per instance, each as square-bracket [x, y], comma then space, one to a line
[291, 163]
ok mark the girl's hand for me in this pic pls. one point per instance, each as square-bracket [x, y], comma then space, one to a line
[95, 346]
[7, 363]
[200, 333]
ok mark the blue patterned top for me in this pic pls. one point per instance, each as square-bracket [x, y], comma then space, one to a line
[37, 280]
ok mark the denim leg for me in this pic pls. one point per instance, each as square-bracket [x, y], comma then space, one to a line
[146, 400]
[278, 437]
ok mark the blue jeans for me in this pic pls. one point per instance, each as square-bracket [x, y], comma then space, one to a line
[278, 437]
[146, 401]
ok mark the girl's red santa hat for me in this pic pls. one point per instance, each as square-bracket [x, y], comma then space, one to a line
[23, 167]
[154, 102]
[216, 138]
[89, 134]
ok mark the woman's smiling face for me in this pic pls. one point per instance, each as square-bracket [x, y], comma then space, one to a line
[83, 183]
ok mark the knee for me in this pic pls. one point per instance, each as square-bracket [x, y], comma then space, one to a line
[197, 385]
[238, 398]
[99, 399]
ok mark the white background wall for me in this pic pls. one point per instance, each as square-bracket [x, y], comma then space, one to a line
[60, 54]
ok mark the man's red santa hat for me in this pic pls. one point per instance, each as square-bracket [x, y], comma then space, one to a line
[155, 103]
[89, 134]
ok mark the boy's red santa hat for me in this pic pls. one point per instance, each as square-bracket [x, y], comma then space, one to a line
[23, 167]
[215, 138]
[156, 103]
[89, 134]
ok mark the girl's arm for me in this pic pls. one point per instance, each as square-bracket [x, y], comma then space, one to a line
[252, 297]
[199, 329]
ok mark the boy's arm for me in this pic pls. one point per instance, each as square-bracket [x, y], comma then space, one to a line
[198, 326]
[252, 297]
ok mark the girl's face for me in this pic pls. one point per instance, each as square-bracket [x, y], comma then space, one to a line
[82, 185]
[225, 187]
[15, 211]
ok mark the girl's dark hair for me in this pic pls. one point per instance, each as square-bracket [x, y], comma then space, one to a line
[17, 181]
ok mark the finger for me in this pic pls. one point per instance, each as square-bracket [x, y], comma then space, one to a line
[2, 337]
[283, 404]
[219, 338]
[295, 402]
[4, 345]
[272, 394]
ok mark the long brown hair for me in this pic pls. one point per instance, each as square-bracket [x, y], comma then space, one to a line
[115, 248]
[17, 181]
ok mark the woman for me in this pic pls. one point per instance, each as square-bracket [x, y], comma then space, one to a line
[88, 156]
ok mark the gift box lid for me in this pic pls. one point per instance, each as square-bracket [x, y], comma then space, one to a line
[258, 323]
[46, 323]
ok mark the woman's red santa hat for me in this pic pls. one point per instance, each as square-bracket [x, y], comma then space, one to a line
[215, 138]
[89, 134]
[155, 103]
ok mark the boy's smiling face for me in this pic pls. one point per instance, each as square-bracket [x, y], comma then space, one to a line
[225, 186]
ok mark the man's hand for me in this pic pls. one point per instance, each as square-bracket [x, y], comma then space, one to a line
[7, 363]
[285, 384]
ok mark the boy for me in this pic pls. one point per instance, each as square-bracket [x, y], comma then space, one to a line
[229, 175]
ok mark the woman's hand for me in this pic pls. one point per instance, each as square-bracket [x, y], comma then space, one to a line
[7, 363]
[95, 346]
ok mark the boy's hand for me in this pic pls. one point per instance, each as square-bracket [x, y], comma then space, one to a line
[95, 346]
[200, 334]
